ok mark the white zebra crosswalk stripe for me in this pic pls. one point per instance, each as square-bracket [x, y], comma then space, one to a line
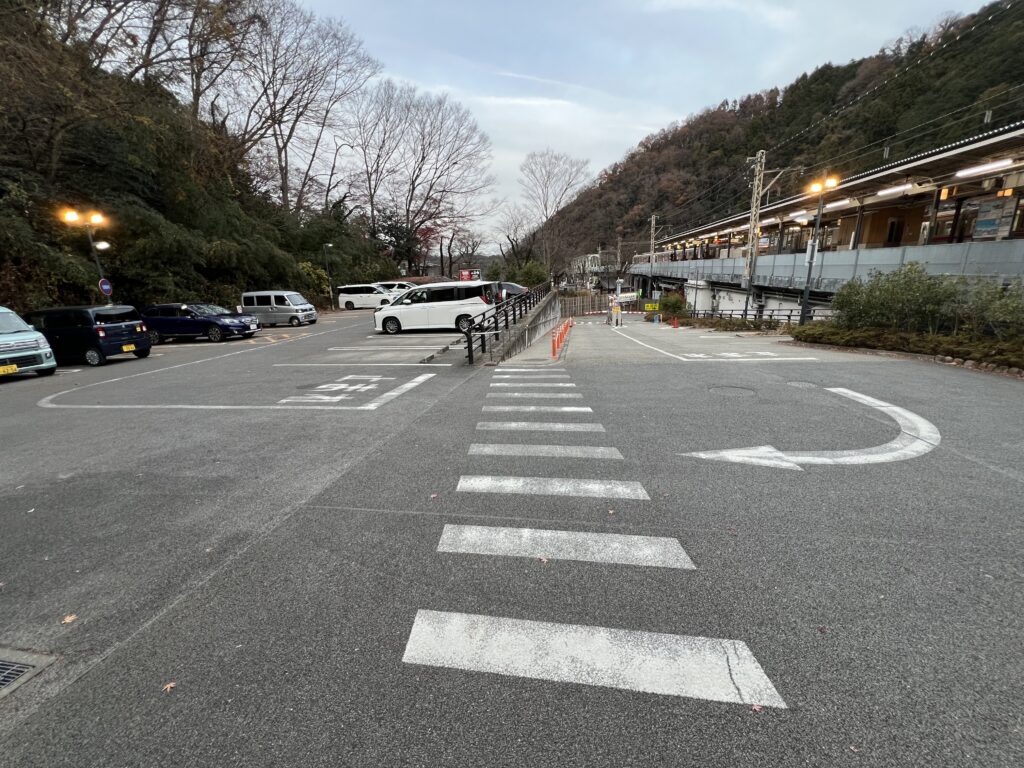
[539, 426]
[531, 384]
[706, 668]
[544, 451]
[537, 409]
[553, 486]
[537, 395]
[531, 376]
[615, 548]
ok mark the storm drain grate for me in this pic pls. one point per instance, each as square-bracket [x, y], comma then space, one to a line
[18, 666]
[9, 672]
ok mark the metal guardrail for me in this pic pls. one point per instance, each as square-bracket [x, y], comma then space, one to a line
[488, 326]
[782, 315]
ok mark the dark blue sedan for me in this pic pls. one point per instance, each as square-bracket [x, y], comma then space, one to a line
[177, 321]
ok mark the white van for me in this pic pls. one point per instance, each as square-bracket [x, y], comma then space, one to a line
[279, 307]
[398, 286]
[449, 306]
[362, 296]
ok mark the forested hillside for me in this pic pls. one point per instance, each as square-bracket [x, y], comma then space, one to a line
[229, 144]
[921, 91]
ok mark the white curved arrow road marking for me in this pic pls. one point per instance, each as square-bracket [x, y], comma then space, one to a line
[917, 437]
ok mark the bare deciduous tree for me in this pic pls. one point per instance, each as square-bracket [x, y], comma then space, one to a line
[519, 233]
[376, 133]
[303, 68]
[549, 181]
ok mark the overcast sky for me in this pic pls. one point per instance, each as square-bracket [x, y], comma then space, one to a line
[592, 78]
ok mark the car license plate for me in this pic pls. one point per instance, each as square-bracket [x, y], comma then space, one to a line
[5, 369]
[252, 326]
[127, 347]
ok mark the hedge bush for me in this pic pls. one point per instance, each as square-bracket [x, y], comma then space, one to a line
[1008, 352]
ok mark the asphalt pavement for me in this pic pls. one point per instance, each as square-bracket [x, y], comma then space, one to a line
[341, 556]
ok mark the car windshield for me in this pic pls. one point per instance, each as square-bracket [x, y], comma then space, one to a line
[296, 299]
[116, 315]
[11, 323]
[210, 309]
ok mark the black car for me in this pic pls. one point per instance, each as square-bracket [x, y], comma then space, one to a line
[91, 334]
[171, 321]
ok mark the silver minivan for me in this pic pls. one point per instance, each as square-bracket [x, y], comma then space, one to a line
[279, 307]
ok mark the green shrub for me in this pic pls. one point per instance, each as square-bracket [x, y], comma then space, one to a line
[1008, 352]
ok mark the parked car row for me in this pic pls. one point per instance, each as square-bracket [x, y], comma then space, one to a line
[45, 338]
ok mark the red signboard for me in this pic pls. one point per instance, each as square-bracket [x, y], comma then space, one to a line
[469, 274]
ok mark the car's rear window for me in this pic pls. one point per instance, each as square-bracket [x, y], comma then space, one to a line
[116, 315]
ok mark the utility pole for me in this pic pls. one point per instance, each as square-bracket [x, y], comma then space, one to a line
[654, 224]
[618, 256]
[754, 229]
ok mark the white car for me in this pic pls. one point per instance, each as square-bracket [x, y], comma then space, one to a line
[449, 306]
[396, 287]
[362, 296]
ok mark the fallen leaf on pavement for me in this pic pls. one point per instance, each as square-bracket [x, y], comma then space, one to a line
[433, 495]
[756, 708]
[611, 511]
[169, 687]
[69, 618]
[823, 630]
[542, 559]
[854, 749]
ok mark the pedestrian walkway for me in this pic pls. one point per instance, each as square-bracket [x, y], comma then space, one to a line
[709, 668]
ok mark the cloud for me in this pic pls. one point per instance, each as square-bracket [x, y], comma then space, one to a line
[765, 11]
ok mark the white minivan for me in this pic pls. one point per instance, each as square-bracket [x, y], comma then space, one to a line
[362, 296]
[437, 305]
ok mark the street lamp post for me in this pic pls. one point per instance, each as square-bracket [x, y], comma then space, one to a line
[327, 269]
[805, 300]
[90, 223]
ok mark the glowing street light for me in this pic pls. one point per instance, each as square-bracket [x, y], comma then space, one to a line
[93, 221]
[818, 188]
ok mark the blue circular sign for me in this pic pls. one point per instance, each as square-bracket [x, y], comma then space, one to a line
[105, 287]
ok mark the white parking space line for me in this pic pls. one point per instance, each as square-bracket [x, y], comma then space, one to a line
[538, 409]
[553, 486]
[538, 426]
[684, 359]
[532, 377]
[387, 397]
[544, 451]
[620, 549]
[537, 395]
[502, 369]
[706, 668]
[369, 348]
[525, 384]
[361, 365]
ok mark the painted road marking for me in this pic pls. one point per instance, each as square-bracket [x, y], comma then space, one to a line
[546, 451]
[539, 426]
[533, 376]
[377, 349]
[362, 365]
[524, 384]
[537, 409]
[620, 549]
[714, 359]
[917, 437]
[537, 395]
[649, 662]
[502, 369]
[553, 486]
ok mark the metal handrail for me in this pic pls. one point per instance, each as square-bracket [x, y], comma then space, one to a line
[495, 320]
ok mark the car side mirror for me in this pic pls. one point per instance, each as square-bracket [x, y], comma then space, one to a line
[407, 301]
